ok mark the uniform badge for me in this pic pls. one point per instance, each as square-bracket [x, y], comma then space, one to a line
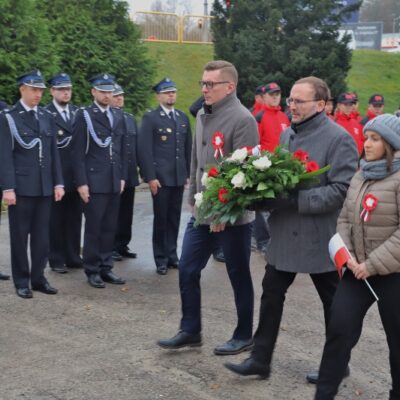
[169, 130]
[163, 138]
[162, 114]
[60, 132]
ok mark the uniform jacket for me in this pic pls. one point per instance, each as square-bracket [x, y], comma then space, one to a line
[131, 149]
[256, 108]
[353, 127]
[299, 238]
[164, 147]
[22, 170]
[63, 132]
[377, 241]
[272, 123]
[102, 169]
[239, 128]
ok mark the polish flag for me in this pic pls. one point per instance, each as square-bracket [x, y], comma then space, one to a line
[339, 253]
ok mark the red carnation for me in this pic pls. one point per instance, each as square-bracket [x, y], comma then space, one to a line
[213, 172]
[301, 155]
[312, 166]
[221, 195]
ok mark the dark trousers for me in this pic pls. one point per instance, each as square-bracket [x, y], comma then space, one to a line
[30, 217]
[197, 246]
[65, 231]
[167, 206]
[101, 215]
[260, 228]
[125, 216]
[351, 302]
[275, 285]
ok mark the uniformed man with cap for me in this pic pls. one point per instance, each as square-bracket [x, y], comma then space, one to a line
[3, 277]
[100, 170]
[31, 176]
[124, 228]
[66, 215]
[165, 143]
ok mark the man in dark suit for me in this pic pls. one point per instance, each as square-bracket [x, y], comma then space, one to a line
[66, 215]
[31, 176]
[124, 228]
[165, 143]
[3, 277]
[100, 170]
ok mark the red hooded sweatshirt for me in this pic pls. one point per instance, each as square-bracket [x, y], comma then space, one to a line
[273, 122]
[353, 127]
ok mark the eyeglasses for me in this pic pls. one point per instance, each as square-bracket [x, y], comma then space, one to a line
[210, 84]
[297, 102]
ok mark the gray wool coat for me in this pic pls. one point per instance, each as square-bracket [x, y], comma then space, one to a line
[239, 128]
[299, 238]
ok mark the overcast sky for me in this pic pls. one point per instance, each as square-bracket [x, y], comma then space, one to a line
[144, 5]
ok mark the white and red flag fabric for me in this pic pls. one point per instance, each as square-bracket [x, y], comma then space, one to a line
[339, 253]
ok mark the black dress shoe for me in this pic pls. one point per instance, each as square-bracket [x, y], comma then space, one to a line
[116, 256]
[96, 281]
[127, 253]
[24, 292]
[174, 265]
[4, 277]
[77, 265]
[219, 256]
[313, 376]
[110, 277]
[61, 269]
[162, 269]
[249, 367]
[233, 346]
[181, 339]
[45, 288]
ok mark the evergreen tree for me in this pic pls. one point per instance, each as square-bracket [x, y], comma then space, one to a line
[282, 41]
[25, 43]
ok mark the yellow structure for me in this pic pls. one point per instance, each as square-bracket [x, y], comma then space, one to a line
[168, 27]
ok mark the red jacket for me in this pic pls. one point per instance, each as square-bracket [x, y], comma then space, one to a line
[370, 115]
[353, 127]
[273, 122]
[356, 115]
[257, 107]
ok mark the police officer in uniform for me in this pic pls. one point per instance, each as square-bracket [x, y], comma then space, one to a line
[165, 144]
[31, 176]
[124, 228]
[100, 170]
[66, 215]
[3, 277]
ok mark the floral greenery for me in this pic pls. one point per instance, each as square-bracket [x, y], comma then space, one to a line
[243, 179]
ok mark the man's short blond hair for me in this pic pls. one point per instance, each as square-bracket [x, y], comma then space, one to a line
[227, 69]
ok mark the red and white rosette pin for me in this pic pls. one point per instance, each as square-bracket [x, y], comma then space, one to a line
[218, 144]
[369, 204]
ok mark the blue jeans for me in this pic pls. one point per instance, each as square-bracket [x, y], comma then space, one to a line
[197, 247]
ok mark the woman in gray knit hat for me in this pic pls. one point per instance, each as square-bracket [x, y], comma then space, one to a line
[369, 224]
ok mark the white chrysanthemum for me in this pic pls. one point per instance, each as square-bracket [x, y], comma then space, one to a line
[262, 163]
[239, 180]
[198, 197]
[204, 179]
[239, 155]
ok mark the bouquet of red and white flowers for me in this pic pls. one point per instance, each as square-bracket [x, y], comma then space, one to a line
[249, 176]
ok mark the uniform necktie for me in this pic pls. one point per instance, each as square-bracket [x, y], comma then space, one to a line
[34, 117]
[65, 115]
[171, 115]
[108, 116]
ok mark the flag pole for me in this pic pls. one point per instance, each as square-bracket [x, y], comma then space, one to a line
[372, 290]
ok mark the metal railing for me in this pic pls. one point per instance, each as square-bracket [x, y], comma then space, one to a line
[168, 27]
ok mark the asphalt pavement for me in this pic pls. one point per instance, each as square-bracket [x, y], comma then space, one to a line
[100, 344]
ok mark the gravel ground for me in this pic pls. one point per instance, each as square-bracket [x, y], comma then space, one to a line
[87, 343]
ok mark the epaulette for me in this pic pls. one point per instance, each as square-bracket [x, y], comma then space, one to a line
[130, 114]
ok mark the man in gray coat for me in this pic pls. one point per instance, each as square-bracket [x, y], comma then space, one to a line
[302, 224]
[222, 114]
